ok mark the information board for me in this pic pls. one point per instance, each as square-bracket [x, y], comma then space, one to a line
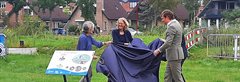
[70, 62]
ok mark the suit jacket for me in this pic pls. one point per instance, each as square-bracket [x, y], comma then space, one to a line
[172, 46]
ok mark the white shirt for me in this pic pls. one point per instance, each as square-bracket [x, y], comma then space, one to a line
[174, 20]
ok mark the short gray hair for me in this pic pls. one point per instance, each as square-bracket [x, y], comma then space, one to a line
[87, 25]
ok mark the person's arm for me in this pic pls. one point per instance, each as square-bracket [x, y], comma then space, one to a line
[82, 43]
[129, 36]
[171, 32]
[96, 43]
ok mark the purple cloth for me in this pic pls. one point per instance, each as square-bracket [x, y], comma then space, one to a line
[134, 63]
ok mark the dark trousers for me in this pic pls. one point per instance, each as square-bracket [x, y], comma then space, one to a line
[88, 77]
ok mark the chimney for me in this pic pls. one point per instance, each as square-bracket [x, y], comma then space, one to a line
[99, 13]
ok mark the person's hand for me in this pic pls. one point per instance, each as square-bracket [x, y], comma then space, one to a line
[156, 52]
[108, 42]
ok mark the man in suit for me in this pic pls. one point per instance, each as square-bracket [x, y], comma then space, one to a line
[172, 47]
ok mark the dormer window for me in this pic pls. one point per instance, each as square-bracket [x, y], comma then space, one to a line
[133, 4]
[2, 4]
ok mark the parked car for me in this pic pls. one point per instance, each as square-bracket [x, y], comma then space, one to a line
[133, 32]
[60, 31]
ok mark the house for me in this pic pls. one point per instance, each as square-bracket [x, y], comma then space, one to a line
[75, 17]
[212, 13]
[180, 11]
[4, 10]
[133, 18]
[200, 9]
[107, 13]
[130, 6]
[12, 16]
[59, 18]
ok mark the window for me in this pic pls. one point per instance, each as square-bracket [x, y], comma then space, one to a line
[2, 4]
[47, 23]
[133, 4]
[230, 5]
[56, 24]
[105, 25]
[222, 5]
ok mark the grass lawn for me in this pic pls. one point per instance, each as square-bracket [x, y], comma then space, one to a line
[31, 68]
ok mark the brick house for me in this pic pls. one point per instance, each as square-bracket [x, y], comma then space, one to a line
[4, 10]
[59, 18]
[75, 16]
[107, 13]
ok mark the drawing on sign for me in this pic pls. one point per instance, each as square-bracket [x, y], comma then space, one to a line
[78, 68]
[81, 59]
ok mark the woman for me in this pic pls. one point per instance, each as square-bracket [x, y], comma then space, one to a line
[121, 35]
[85, 43]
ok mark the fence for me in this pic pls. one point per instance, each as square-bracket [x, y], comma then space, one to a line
[193, 37]
[223, 45]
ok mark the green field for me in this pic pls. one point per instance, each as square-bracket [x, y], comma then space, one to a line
[31, 68]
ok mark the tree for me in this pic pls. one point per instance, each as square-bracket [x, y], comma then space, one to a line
[160, 5]
[191, 6]
[205, 2]
[145, 13]
[17, 6]
[88, 9]
[151, 9]
[232, 16]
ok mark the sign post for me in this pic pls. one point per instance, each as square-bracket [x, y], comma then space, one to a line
[70, 63]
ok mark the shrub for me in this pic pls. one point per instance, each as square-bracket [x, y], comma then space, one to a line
[31, 26]
[73, 29]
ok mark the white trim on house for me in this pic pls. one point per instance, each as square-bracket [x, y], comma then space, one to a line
[209, 23]
[79, 20]
[217, 23]
[26, 7]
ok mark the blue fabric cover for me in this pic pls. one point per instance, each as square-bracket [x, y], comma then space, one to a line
[133, 63]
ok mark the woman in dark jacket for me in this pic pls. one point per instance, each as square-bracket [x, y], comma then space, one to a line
[121, 35]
